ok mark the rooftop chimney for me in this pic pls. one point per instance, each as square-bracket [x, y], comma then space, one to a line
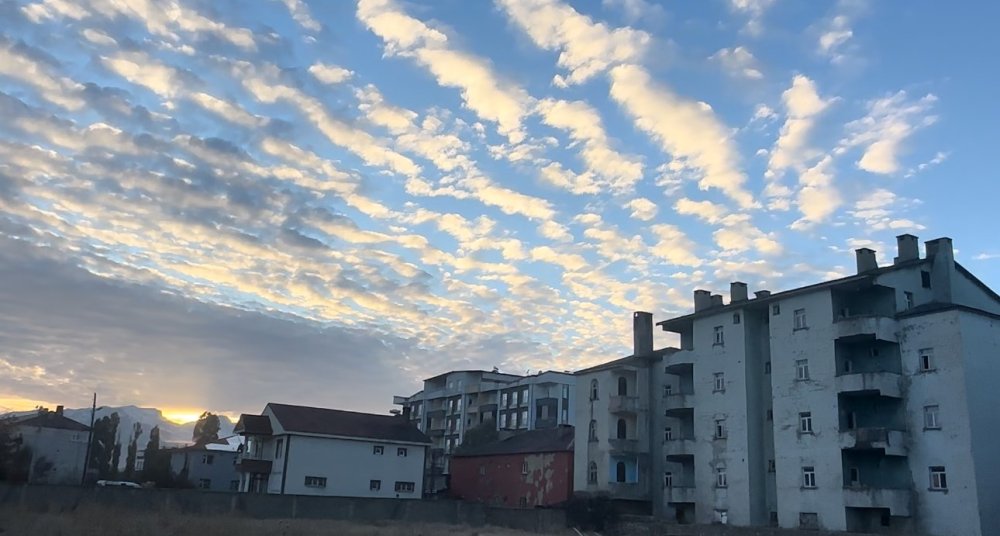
[406, 413]
[702, 300]
[642, 333]
[942, 257]
[761, 294]
[737, 292]
[716, 300]
[59, 410]
[866, 260]
[907, 248]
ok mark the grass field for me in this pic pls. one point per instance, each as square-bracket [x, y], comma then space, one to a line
[107, 522]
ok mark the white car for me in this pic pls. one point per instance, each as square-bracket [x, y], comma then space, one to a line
[117, 484]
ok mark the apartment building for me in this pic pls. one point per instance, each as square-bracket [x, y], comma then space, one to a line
[866, 403]
[299, 450]
[454, 402]
[58, 446]
[209, 466]
[616, 441]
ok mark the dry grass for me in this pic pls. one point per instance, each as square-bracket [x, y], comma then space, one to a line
[108, 522]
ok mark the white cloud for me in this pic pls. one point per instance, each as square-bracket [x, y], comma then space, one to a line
[300, 14]
[482, 90]
[738, 61]
[802, 104]
[877, 210]
[635, 10]
[586, 48]
[98, 37]
[642, 209]
[50, 9]
[834, 37]
[685, 129]
[140, 68]
[738, 234]
[227, 110]
[555, 231]
[59, 91]
[754, 9]
[885, 129]
[705, 210]
[569, 261]
[817, 198]
[674, 246]
[330, 74]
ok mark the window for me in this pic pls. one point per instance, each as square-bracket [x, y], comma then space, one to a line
[931, 418]
[668, 434]
[720, 381]
[315, 481]
[565, 416]
[926, 359]
[401, 451]
[853, 477]
[234, 485]
[848, 366]
[808, 520]
[773, 518]
[668, 479]
[593, 430]
[208, 459]
[852, 420]
[909, 299]
[622, 429]
[279, 448]
[524, 419]
[620, 472]
[565, 391]
[482, 470]
[770, 466]
[776, 309]
[808, 477]
[524, 467]
[503, 399]
[667, 389]
[374, 485]
[802, 369]
[939, 480]
[593, 389]
[800, 319]
[404, 487]
[204, 483]
[767, 367]
[622, 386]
[592, 473]
[720, 477]
[806, 422]
[736, 318]
[720, 428]
[719, 336]
[770, 415]
[925, 279]
[378, 450]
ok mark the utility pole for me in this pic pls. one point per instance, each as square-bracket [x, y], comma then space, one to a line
[90, 441]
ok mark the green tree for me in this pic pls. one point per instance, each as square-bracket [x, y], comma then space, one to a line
[15, 458]
[156, 465]
[132, 451]
[479, 435]
[105, 449]
[206, 429]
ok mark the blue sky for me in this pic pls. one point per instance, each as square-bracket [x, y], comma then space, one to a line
[324, 202]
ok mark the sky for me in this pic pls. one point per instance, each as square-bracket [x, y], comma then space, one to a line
[217, 204]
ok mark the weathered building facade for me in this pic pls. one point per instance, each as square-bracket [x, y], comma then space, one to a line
[58, 446]
[533, 468]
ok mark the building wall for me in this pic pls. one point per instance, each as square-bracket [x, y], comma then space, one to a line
[540, 479]
[348, 466]
[66, 450]
[220, 471]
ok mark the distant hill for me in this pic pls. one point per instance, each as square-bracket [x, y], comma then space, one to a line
[171, 433]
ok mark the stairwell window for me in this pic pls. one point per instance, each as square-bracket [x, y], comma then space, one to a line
[931, 421]
[720, 428]
[279, 448]
[720, 339]
[592, 473]
[802, 369]
[668, 434]
[926, 359]
[378, 450]
[736, 318]
[806, 422]
[909, 299]
[720, 477]
[800, 319]
[593, 389]
[809, 477]
[668, 479]
[925, 279]
[939, 480]
[593, 430]
[775, 310]
[720, 382]
[374, 485]
[401, 451]
[770, 466]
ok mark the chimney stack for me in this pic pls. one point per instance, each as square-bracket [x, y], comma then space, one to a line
[866, 260]
[761, 294]
[716, 300]
[942, 256]
[642, 334]
[737, 292]
[702, 300]
[907, 248]
[59, 410]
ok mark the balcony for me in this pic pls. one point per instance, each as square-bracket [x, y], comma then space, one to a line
[680, 494]
[435, 432]
[892, 442]
[861, 327]
[399, 400]
[881, 383]
[623, 490]
[623, 404]
[898, 501]
[438, 412]
[626, 446]
[676, 448]
[682, 400]
[679, 362]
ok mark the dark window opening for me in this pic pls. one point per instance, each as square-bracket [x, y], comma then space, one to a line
[620, 472]
[925, 279]
[622, 429]
[622, 386]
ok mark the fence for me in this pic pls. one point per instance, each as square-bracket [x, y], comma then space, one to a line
[65, 498]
